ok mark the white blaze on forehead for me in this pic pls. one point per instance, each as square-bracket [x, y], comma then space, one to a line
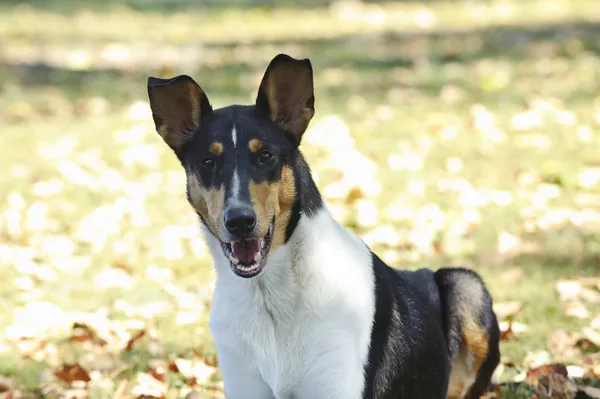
[234, 136]
[235, 181]
[235, 185]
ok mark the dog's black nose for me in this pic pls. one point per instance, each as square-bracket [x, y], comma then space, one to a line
[240, 220]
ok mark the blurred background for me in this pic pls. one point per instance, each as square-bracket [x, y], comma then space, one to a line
[446, 133]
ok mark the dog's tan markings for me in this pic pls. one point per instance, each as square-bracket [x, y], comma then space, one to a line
[287, 198]
[475, 345]
[264, 201]
[255, 145]
[207, 202]
[456, 390]
[216, 148]
[274, 199]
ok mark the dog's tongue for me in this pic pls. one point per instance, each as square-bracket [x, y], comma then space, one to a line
[245, 251]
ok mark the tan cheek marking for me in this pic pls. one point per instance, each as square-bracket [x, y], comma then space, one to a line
[286, 198]
[264, 201]
[274, 200]
[255, 145]
[207, 202]
[216, 148]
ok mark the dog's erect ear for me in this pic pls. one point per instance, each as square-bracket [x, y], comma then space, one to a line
[286, 94]
[178, 106]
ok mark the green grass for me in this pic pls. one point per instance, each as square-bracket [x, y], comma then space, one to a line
[417, 101]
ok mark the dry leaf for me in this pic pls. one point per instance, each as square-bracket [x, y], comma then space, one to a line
[534, 374]
[72, 372]
[562, 344]
[592, 335]
[592, 392]
[510, 329]
[554, 386]
[158, 373]
[568, 289]
[507, 334]
[506, 310]
[81, 333]
[577, 310]
[596, 322]
[6, 384]
[32, 348]
[146, 386]
[134, 339]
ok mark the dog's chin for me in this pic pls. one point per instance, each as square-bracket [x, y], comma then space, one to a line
[248, 258]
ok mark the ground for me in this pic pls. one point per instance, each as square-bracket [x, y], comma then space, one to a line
[463, 133]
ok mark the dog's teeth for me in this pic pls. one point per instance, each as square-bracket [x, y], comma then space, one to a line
[257, 257]
[232, 259]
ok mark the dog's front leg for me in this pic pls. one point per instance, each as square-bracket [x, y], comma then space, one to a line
[241, 379]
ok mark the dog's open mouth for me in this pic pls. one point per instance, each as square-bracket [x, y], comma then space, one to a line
[248, 257]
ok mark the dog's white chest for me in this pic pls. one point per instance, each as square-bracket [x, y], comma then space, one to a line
[297, 329]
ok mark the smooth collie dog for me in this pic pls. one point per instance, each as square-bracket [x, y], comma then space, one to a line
[302, 308]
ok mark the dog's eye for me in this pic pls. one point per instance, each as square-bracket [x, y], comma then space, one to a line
[265, 156]
[209, 162]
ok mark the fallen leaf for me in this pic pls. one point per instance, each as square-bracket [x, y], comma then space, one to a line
[158, 373]
[506, 310]
[592, 335]
[173, 366]
[577, 310]
[81, 333]
[146, 386]
[536, 359]
[194, 395]
[592, 392]
[554, 386]
[510, 329]
[6, 384]
[134, 339]
[534, 374]
[32, 348]
[72, 372]
[596, 322]
[587, 346]
[122, 266]
[589, 295]
[568, 289]
[507, 334]
[563, 344]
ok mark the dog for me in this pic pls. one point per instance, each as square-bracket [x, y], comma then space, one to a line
[302, 309]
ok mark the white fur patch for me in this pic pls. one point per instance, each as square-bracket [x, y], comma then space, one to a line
[235, 185]
[302, 328]
[234, 136]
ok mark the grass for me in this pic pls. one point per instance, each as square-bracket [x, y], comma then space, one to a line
[483, 128]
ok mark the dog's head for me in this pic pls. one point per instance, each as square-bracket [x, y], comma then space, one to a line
[238, 159]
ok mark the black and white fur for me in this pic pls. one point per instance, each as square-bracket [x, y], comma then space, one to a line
[319, 316]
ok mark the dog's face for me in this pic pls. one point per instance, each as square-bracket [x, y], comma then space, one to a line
[238, 159]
